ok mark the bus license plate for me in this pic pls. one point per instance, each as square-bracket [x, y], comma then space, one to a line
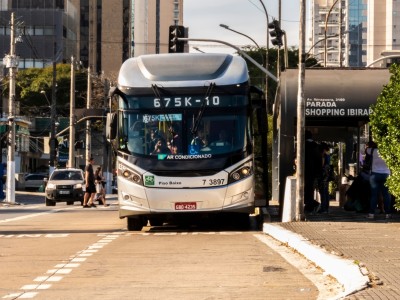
[185, 206]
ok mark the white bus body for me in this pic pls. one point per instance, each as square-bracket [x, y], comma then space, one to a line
[183, 137]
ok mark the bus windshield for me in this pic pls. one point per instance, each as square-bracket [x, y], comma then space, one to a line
[153, 133]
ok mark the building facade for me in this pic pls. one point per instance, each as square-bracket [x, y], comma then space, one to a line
[353, 33]
[104, 34]
[151, 21]
[100, 34]
[46, 31]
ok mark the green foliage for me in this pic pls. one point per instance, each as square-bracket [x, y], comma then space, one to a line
[258, 77]
[385, 127]
[30, 82]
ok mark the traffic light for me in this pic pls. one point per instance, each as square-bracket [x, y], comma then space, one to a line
[174, 45]
[276, 33]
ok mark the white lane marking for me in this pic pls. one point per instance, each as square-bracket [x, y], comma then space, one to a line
[35, 215]
[28, 216]
[86, 254]
[77, 259]
[54, 278]
[36, 287]
[19, 236]
[59, 266]
[60, 269]
[28, 295]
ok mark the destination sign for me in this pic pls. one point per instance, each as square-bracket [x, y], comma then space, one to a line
[333, 107]
[187, 101]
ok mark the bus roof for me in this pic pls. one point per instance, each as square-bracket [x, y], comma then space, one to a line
[182, 70]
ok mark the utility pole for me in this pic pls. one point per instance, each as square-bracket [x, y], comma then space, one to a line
[157, 26]
[52, 163]
[71, 155]
[11, 63]
[300, 149]
[88, 122]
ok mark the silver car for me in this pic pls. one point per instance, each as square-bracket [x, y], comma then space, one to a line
[65, 185]
[34, 181]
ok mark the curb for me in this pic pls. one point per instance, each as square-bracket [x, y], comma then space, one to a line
[345, 271]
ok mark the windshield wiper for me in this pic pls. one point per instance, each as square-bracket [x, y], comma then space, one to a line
[199, 117]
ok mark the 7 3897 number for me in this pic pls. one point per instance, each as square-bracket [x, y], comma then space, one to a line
[213, 182]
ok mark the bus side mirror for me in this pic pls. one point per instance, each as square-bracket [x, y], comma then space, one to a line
[111, 126]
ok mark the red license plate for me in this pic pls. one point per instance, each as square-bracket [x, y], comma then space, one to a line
[185, 206]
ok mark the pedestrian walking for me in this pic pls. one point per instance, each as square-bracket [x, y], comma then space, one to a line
[100, 186]
[90, 191]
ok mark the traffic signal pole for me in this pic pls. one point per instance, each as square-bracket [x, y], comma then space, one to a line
[175, 44]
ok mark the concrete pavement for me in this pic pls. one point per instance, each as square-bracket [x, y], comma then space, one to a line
[362, 254]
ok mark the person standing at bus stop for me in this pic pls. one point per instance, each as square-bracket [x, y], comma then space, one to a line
[377, 179]
[312, 169]
[90, 191]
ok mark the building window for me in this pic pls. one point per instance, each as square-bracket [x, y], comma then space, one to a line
[39, 30]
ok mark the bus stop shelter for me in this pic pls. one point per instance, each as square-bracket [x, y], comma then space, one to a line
[337, 108]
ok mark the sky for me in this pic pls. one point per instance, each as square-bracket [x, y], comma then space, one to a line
[203, 18]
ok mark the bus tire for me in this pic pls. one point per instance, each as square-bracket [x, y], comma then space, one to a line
[155, 221]
[134, 223]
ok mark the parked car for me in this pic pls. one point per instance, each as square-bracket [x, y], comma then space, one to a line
[34, 181]
[65, 185]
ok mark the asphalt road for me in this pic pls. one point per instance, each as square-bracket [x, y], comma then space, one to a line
[67, 252]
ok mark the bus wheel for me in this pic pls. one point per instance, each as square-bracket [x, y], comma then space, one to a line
[156, 221]
[134, 223]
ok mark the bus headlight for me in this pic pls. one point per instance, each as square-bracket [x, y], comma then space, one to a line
[131, 176]
[242, 172]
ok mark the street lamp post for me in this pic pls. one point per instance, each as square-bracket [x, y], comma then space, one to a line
[245, 35]
[228, 28]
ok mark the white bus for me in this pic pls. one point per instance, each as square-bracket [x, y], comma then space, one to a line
[182, 137]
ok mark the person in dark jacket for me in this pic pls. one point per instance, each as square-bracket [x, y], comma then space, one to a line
[312, 169]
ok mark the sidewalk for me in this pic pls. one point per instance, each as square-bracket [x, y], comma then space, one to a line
[349, 247]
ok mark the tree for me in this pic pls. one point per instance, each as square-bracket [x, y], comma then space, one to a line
[257, 77]
[30, 82]
[385, 127]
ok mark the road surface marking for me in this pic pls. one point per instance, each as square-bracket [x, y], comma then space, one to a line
[55, 275]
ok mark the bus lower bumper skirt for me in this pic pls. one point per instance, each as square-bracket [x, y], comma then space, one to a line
[128, 211]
